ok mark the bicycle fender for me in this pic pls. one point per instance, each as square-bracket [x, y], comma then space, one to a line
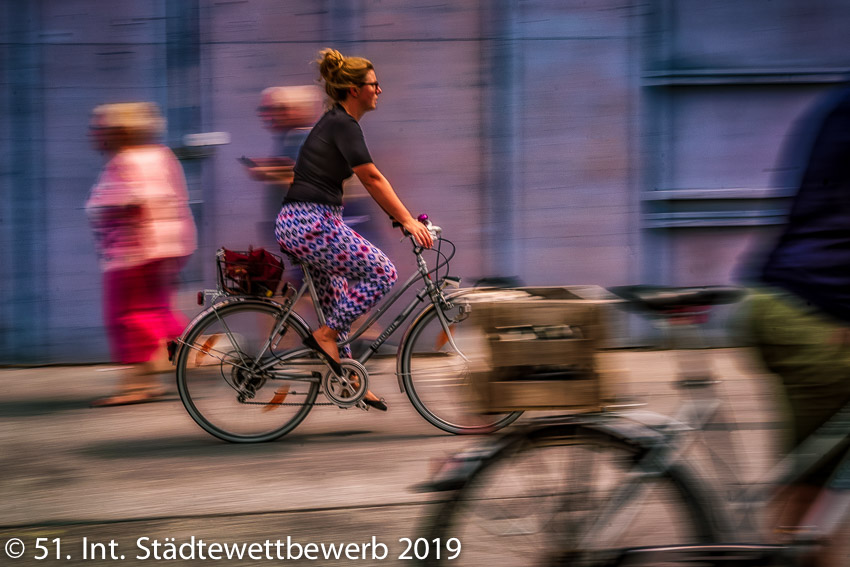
[627, 431]
[654, 421]
[174, 352]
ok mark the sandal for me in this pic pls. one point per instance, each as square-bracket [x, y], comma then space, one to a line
[379, 404]
[311, 343]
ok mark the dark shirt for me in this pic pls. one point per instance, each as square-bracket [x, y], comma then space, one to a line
[288, 144]
[812, 257]
[334, 146]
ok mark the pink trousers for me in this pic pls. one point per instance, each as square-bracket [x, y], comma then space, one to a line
[138, 309]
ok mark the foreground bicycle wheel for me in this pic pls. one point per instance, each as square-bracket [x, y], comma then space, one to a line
[437, 379]
[565, 495]
[231, 379]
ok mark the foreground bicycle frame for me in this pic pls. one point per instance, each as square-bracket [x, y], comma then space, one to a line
[656, 442]
[246, 374]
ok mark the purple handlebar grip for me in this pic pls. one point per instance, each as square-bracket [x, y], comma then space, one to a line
[422, 218]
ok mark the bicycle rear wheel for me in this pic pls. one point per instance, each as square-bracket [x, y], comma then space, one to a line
[437, 379]
[236, 375]
[566, 495]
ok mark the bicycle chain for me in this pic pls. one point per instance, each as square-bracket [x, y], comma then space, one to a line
[290, 403]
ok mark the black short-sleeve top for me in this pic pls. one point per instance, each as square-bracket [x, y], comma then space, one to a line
[334, 146]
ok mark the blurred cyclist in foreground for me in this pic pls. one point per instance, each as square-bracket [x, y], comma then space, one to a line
[800, 314]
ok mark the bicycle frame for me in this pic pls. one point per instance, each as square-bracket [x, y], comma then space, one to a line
[789, 470]
[666, 451]
[430, 290]
[693, 417]
[832, 437]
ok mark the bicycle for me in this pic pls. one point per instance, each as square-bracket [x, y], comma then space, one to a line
[617, 487]
[244, 375]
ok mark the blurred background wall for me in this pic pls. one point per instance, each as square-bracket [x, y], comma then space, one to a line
[560, 141]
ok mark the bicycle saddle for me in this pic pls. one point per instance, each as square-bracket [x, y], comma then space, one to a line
[662, 298]
[293, 260]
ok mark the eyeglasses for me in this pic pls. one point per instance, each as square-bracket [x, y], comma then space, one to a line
[375, 84]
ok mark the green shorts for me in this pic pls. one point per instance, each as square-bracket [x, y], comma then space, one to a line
[802, 345]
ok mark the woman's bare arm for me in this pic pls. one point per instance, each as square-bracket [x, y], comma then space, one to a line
[381, 190]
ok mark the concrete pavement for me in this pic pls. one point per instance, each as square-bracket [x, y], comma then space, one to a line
[124, 473]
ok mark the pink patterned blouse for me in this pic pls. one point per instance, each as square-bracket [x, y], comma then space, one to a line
[139, 209]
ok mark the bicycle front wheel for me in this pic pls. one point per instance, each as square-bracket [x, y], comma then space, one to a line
[236, 375]
[565, 495]
[436, 376]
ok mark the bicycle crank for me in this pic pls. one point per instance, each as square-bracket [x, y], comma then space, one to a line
[347, 390]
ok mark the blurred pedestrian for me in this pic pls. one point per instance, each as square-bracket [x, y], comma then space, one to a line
[144, 233]
[800, 313]
[351, 273]
[288, 113]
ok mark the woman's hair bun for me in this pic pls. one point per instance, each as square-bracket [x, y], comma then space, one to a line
[331, 62]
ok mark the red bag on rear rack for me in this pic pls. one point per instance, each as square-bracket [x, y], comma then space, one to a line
[255, 272]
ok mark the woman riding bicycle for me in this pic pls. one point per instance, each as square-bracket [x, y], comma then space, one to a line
[351, 274]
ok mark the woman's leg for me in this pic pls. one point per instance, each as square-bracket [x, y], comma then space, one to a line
[331, 290]
[318, 236]
[368, 272]
[352, 275]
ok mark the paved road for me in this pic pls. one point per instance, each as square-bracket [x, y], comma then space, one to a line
[119, 474]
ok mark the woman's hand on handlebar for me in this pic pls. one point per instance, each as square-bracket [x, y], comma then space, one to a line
[420, 233]
[418, 229]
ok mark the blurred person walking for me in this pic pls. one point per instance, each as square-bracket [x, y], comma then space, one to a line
[351, 273]
[144, 233]
[800, 313]
[287, 113]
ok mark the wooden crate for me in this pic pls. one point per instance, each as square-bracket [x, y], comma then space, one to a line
[542, 351]
[576, 394]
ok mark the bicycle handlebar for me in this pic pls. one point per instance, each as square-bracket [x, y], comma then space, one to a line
[443, 257]
[435, 230]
